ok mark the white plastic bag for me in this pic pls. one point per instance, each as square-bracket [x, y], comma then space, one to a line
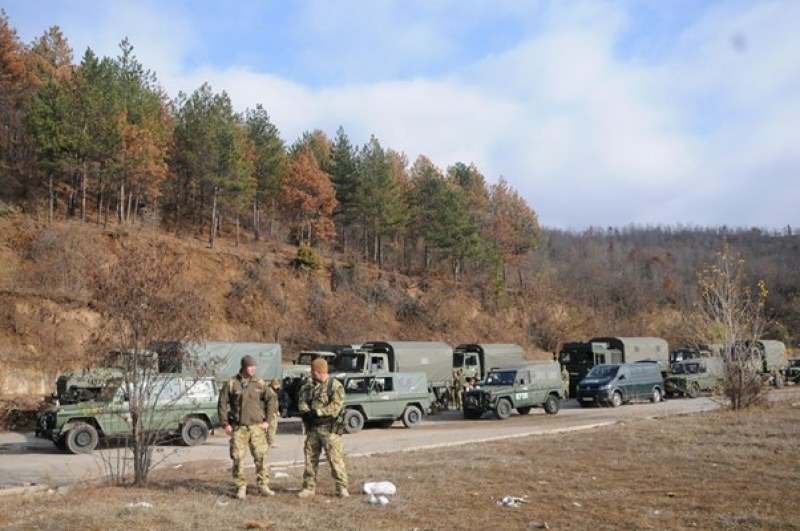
[379, 487]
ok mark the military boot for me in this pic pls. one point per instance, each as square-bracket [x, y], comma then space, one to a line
[305, 493]
[266, 491]
[343, 493]
[241, 493]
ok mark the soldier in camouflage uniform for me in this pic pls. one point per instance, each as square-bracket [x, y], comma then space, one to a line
[246, 405]
[458, 388]
[320, 402]
[565, 380]
[275, 385]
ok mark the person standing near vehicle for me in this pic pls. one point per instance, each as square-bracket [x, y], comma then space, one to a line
[320, 402]
[246, 406]
[275, 385]
[565, 380]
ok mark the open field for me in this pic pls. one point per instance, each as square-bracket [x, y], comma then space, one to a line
[709, 471]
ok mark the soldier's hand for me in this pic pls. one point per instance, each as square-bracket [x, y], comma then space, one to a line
[228, 429]
[265, 425]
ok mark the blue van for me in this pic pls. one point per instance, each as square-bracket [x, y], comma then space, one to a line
[620, 383]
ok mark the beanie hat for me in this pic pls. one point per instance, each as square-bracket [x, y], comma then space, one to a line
[275, 383]
[248, 361]
[319, 365]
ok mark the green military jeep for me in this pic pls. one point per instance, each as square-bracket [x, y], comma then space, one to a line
[793, 371]
[384, 398]
[178, 406]
[523, 386]
[693, 376]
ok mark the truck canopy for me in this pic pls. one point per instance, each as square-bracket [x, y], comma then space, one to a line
[433, 358]
[637, 348]
[222, 359]
[491, 354]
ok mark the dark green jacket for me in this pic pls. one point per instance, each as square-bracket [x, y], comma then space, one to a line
[246, 405]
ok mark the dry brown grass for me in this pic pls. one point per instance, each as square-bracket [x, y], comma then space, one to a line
[718, 470]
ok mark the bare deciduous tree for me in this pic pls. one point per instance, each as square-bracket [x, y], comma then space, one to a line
[144, 297]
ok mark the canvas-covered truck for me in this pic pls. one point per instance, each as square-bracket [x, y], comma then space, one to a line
[300, 370]
[769, 357]
[383, 398]
[580, 357]
[475, 359]
[433, 358]
[521, 387]
[220, 359]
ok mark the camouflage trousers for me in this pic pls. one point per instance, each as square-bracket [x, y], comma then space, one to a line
[458, 396]
[318, 439]
[273, 429]
[254, 438]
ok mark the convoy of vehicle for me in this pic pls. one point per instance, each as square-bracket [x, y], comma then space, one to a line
[387, 381]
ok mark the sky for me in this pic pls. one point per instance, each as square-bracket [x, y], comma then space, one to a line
[602, 113]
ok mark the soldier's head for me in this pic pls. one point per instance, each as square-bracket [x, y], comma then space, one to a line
[248, 365]
[319, 369]
[275, 384]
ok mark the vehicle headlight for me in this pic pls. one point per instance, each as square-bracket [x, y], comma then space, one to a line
[605, 387]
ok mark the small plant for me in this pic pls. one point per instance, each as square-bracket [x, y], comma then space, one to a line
[8, 210]
[307, 258]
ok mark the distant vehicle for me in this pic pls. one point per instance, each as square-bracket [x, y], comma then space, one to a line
[220, 359]
[617, 384]
[180, 406]
[522, 387]
[580, 357]
[793, 370]
[433, 358]
[693, 376]
[475, 359]
[699, 351]
[300, 370]
[768, 356]
[384, 398]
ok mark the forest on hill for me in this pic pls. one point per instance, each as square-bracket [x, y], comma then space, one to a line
[314, 240]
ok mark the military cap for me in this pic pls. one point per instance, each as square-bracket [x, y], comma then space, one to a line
[319, 365]
[248, 361]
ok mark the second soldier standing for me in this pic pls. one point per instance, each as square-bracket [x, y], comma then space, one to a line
[320, 402]
[246, 404]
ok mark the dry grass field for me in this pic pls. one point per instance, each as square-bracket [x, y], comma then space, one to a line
[718, 470]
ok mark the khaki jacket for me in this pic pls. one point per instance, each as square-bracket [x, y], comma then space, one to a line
[245, 403]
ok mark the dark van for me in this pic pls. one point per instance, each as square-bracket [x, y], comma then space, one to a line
[620, 383]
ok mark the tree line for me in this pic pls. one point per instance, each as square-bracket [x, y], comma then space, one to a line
[100, 141]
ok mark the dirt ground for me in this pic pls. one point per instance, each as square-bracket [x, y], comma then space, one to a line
[716, 470]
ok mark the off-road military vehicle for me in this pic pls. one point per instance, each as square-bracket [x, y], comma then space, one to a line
[793, 371]
[693, 376]
[384, 398]
[522, 386]
[178, 406]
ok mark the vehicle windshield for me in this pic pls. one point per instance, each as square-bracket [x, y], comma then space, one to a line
[500, 378]
[603, 371]
[795, 362]
[458, 359]
[110, 391]
[350, 363]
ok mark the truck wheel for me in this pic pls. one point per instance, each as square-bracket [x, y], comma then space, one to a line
[353, 421]
[551, 405]
[194, 432]
[503, 409]
[412, 416]
[82, 439]
[616, 399]
[693, 391]
[656, 398]
[524, 410]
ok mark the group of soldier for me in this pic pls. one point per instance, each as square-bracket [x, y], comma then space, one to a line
[249, 408]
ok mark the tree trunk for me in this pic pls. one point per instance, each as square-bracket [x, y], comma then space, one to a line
[52, 194]
[83, 197]
[212, 234]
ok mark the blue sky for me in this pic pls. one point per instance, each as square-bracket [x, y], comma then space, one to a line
[600, 112]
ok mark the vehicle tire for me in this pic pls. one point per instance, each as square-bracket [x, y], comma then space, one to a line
[551, 405]
[616, 399]
[656, 398]
[353, 421]
[193, 432]
[81, 439]
[412, 416]
[524, 410]
[503, 409]
[693, 390]
[472, 415]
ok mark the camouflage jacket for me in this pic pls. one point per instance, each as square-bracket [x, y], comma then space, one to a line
[327, 398]
[246, 402]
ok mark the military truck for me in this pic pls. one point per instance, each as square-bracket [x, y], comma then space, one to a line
[384, 398]
[692, 376]
[433, 358]
[793, 371]
[769, 357]
[300, 370]
[475, 359]
[580, 357]
[179, 406]
[522, 386]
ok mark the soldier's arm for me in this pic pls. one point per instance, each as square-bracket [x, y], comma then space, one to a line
[336, 403]
[270, 403]
[222, 405]
[303, 399]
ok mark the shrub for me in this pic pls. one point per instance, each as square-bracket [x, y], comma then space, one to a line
[307, 258]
